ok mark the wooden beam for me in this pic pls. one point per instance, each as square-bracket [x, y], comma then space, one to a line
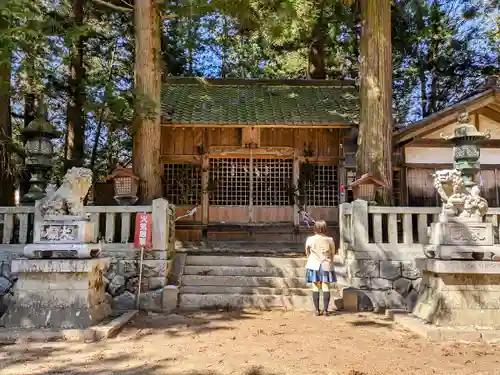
[222, 151]
[490, 113]
[495, 106]
[264, 126]
[320, 159]
[487, 143]
[191, 159]
[430, 131]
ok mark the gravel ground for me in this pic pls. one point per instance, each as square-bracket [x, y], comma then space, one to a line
[254, 343]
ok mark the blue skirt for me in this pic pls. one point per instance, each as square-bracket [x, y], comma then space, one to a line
[320, 276]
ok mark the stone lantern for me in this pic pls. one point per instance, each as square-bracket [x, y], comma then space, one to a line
[365, 187]
[125, 184]
[39, 151]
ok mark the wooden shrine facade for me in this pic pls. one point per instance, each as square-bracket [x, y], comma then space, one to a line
[255, 162]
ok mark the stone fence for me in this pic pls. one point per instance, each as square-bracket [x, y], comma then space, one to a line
[378, 248]
[114, 230]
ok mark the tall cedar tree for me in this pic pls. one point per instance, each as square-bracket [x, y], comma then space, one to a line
[146, 127]
[75, 132]
[375, 125]
[6, 176]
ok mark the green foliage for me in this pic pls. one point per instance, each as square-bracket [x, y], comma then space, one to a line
[442, 51]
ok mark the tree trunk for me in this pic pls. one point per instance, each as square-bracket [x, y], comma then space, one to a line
[147, 132]
[375, 127]
[75, 134]
[6, 173]
[316, 59]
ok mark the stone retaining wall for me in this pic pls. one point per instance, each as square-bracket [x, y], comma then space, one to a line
[377, 266]
[382, 283]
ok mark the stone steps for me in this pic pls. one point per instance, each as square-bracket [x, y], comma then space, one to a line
[213, 289]
[245, 271]
[244, 261]
[256, 301]
[237, 281]
[270, 282]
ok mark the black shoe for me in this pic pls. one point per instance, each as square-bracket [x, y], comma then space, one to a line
[318, 313]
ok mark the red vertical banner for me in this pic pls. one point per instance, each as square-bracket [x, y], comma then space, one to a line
[143, 230]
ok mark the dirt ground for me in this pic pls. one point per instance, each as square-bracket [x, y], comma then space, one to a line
[254, 343]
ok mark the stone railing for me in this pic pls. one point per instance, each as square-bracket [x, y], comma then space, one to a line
[114, 229]
[362, 226]
[378, 248]
[112, 224]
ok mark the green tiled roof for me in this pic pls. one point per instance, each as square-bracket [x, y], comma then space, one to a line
[259, 102]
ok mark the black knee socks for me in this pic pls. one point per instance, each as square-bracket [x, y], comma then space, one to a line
[316, 301]
[326, 300]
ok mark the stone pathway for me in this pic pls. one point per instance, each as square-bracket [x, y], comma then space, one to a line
[254, 343]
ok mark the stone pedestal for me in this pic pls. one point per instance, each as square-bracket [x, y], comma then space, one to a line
[62, 236]
[58, 293]
[459, 239]
[459, 294]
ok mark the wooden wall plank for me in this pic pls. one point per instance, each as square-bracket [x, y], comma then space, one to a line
[168, 140]
[217, 214]
[189, 142]
[179, 141]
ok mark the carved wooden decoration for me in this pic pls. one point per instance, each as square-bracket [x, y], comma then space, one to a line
[250, 137]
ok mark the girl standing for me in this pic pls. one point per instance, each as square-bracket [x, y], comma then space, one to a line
[319, 267]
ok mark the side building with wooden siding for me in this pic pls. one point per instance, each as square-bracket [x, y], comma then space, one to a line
[253, 156]
[424, 150]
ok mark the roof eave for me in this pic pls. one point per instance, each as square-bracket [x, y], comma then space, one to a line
[437, 119]
[285, 126]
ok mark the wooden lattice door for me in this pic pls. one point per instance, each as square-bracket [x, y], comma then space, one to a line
[250, 182]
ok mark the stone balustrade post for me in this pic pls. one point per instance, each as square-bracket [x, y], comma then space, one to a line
[344, 230]
[359, 224]
[161, 214]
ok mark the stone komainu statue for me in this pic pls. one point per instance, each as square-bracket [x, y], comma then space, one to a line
[68, 198]
[458, 201]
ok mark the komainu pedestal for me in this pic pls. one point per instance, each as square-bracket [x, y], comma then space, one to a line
[62, 229]
[58, 293]
[459, 293]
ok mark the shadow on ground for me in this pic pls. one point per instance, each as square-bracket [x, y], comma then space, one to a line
[182, 323]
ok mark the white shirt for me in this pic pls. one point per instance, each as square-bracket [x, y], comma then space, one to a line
[321, 252]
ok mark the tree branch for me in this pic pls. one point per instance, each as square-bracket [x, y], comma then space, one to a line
[113, 6]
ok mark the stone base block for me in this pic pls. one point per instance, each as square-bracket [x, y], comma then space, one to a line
[170, 298]
[48, 251]
[459, 294]
[98, 332]
[456, 252]
[58, 294]
[434, 333]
